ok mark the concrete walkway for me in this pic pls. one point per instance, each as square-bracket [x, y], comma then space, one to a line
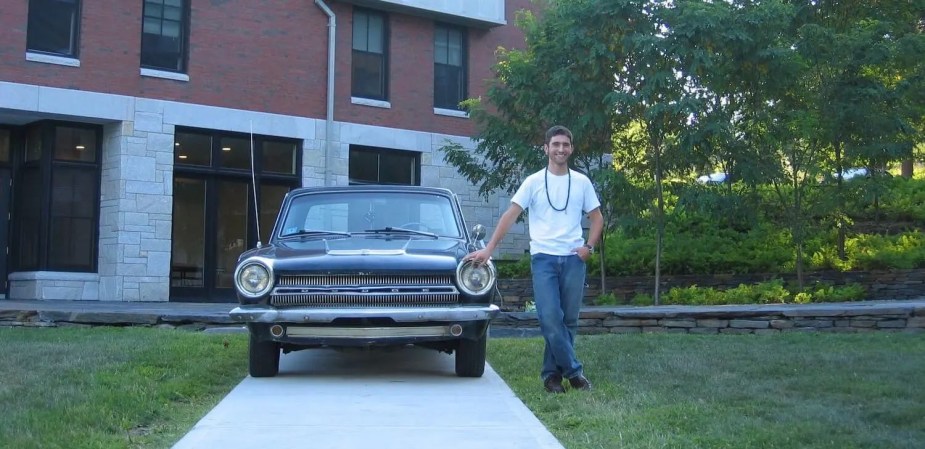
[407, 398]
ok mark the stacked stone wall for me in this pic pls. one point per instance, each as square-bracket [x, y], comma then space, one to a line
[878, 284]
[892, 316]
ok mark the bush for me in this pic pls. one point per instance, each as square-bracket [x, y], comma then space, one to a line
[771, 292]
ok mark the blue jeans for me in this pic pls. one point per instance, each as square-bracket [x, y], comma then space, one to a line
[558, 289]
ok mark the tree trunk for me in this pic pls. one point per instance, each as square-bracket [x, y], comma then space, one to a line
[603, 265]
[659, 224]
[907, 168]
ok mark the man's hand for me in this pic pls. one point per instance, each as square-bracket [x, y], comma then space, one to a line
[583, 253]
[478, 257]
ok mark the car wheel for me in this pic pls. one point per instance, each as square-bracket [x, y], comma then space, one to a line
[263, 357]
[470, 357]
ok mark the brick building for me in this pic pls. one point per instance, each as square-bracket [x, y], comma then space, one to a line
[127, 127]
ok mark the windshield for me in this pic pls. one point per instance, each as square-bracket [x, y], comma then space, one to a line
[368, 212]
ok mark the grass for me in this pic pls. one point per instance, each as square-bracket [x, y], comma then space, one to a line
[106, 387]
[111, 387]
[803, 390]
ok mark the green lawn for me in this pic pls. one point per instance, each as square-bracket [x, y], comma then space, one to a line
[111, 387]
[107, 387]
[797, 390]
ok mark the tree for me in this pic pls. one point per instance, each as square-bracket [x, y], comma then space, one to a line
[857, 58]
[561, 77]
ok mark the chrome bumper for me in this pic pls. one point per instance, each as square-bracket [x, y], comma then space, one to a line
[265, 314]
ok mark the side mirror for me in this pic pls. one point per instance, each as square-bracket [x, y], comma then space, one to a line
[478, 232]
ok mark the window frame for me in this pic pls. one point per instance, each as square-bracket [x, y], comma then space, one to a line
[33, 28]
[45, 168]
[462, 69]
[388, 153]
[217, 174]
[182, 58]
[363, 54]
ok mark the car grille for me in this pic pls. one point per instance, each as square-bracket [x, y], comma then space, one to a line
[365, 291]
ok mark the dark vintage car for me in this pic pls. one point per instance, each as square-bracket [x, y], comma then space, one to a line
[367, 266]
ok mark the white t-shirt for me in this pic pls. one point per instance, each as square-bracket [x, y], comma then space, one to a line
[556, 232]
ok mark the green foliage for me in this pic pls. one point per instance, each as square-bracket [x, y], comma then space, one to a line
[699, 249]
[771, 292]
[606, 299]
[777, 94]
[829, 293]
[642, 299]
[902, 200]
[513, 268]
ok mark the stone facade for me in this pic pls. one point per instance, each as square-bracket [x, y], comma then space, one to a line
[136, 194]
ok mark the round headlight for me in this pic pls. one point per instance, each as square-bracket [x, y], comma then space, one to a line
[476, 280]
[253, 279]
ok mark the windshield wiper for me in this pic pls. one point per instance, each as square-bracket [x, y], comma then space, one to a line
[313, 233]
[394, 230]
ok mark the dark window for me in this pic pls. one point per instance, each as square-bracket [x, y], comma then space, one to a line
[28, 219]
[163, 35]
[213, 205]
[236, 152]
[370, 55]
[54, 26]
[449, 66]
[4, 146]
[73, 218]
[279, 157]
[370, 165]
[57, 208]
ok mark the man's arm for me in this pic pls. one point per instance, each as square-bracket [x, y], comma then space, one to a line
[597, 227]
[594, 234]
[504, 224]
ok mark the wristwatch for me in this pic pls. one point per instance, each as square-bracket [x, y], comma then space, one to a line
[590, 248]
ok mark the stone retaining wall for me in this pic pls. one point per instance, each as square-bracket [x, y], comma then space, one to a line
[879, 284]
[868, 316]
[856, 317]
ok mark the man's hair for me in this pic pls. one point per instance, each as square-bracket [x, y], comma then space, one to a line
[558, 130]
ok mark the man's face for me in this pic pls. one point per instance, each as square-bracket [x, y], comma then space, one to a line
[558, 149]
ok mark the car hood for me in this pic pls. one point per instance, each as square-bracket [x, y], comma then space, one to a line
[363, 253]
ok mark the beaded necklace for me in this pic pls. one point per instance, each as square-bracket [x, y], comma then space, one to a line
[567, 195]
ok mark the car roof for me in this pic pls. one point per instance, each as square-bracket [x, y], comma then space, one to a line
[373, 188]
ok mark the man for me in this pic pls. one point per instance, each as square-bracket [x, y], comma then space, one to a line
[556, 198]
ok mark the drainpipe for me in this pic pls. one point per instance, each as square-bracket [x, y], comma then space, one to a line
[329, 119]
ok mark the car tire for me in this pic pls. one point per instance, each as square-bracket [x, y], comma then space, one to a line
[263, 357]
[470, 357]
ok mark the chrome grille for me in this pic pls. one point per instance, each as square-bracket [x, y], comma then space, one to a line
[357, 280]
[365, 291]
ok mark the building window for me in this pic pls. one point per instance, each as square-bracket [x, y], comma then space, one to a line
[163, 35]
[213, 205]
[449, 67]
[57, 207]
[54, 27]
[370, 61]
[371, 165]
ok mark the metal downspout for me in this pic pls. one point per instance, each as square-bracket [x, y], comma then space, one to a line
[329, 119]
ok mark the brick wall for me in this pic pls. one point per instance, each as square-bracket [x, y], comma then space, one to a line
[264, 55]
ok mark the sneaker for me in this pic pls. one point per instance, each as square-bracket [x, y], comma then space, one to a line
[580, 382]
[553, 384]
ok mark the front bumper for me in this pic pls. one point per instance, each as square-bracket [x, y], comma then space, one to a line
[304, 315]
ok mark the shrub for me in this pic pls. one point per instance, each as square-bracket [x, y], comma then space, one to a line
[770, 292]
[606, 299]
